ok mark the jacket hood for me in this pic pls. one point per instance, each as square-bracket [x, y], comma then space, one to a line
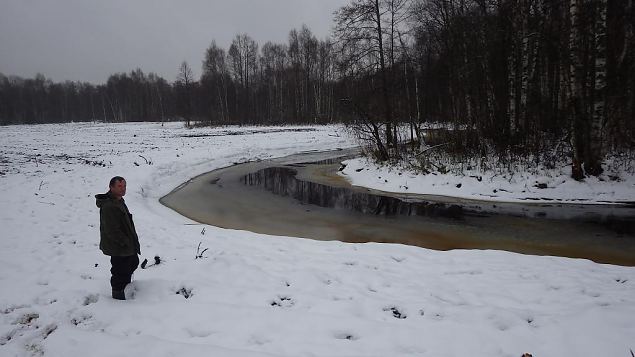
[102, 198]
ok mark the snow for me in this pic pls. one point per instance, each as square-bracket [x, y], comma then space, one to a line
[257, 295]
[547, 186]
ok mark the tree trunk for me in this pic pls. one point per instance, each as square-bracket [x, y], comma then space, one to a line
[384, 78]
[575, 91]
[593, 160]
[488, 84]
[511, 63]
[525, 54]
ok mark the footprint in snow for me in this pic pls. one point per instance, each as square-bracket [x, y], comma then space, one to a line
[530, 321]
[185, 292]
[344, 335]
[282, 301]
[90, 299]
[12, 308]
[25, 324]
[198, 332]
[26, 319]
[48, 330]
[7, 337]
[593, 294]
[81, 319]
[258, 340]
[395, 312]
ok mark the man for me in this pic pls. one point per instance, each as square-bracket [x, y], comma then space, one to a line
[118, 236]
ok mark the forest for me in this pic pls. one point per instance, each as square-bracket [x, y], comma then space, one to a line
[511, 78]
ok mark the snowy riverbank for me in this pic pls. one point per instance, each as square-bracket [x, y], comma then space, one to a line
[555, 185]
[257, 295]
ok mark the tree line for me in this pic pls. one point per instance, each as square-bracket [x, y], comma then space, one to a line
[536, 78]
[292, 82]
[514, 76]
[125, 97]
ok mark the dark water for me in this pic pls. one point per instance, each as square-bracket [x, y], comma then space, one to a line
[283, 181]
[302, 196]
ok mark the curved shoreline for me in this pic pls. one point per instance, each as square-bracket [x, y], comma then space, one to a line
[220, 198]
[525, 188]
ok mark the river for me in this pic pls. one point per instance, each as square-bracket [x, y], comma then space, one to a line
[302, 196]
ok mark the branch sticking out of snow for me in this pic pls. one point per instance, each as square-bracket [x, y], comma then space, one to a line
[148, 162]
[199, 253]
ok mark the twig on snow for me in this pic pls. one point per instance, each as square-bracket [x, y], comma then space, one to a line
[157, 261]
[147, 161]
[199, 253]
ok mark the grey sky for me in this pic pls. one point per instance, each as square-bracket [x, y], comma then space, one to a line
[87, 40]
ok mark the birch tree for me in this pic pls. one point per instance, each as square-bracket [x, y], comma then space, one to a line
[243, 53]
[575, 91]
[215, 76]
[593, 162]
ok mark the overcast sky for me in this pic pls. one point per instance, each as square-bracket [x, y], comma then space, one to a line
[87, 40]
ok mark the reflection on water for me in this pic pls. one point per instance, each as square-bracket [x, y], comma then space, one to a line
[282, 181]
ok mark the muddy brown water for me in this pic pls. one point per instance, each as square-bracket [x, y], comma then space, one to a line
[302, 196]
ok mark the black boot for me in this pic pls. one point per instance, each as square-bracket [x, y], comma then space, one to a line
[118, 295]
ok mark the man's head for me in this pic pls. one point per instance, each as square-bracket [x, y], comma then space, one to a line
[118, 187]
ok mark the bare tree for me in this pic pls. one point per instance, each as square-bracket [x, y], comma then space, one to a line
[185, 81]
[360, 34]
[215, 76]
[273, 64]
[243, 53]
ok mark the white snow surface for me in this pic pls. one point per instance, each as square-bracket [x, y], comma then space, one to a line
[548, 186]
[259, 295]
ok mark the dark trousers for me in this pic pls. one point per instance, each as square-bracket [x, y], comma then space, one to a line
[121, 270]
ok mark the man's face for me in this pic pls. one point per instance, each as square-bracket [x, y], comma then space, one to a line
[119, 188]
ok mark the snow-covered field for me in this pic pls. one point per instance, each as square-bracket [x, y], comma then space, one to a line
[257, 295]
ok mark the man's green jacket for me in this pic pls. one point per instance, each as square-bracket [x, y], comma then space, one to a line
[118, 235]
